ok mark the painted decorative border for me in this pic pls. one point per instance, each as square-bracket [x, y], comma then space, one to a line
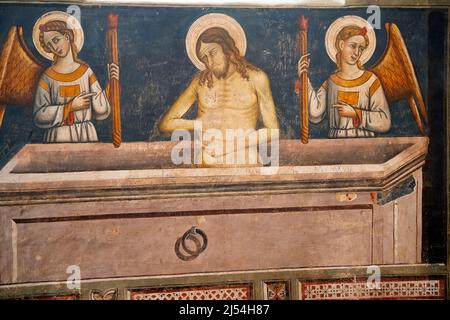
[51, 297]
[224, 292]
[276, 290]
[388, 289]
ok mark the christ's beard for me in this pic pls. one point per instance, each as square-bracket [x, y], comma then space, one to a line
[222, 72]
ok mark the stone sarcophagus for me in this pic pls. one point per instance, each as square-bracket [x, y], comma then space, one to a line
[128, 211]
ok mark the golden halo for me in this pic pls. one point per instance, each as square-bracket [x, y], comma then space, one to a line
[212, 20]
[336, 27]
[72, 23]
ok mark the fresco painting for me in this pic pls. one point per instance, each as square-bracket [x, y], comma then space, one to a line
[163, 142]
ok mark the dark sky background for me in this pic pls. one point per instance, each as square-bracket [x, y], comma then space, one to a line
[155, 67]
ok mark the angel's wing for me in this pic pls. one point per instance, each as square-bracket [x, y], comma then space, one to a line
[19, 72]
[397, 75]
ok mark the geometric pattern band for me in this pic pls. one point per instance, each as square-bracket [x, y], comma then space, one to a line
[386, 289]
[224, 292]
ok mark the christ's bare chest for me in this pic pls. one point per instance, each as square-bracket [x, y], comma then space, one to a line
[233, 93]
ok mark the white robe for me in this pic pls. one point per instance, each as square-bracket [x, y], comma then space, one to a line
[366, 96]
[52, 105]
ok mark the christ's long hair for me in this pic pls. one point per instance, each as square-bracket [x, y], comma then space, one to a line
[222, 38]
[61, 27]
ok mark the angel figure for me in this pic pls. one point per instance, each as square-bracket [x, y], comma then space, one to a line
[68, 95]
[353, 96]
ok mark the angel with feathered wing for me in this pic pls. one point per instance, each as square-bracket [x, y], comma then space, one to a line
[66, 97]
[356, 99]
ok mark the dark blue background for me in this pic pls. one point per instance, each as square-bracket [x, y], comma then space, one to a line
[155, 67]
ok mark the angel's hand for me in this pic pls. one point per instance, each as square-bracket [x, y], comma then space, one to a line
[82, 101]
[345, 110]
[303, 64]
[113, 71]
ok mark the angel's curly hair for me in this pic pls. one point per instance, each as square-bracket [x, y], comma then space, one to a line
[346, 33]
[61, 27]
